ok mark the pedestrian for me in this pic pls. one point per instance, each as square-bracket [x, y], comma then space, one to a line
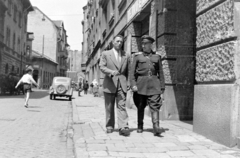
[147, 83]
[85, 87]
[27, 80]
[95, 88]
[115, 65]
[91, 89]
[79, 88]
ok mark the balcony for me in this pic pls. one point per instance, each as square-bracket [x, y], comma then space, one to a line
[63, 54]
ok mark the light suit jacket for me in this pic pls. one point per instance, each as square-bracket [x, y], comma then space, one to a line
[108, 64]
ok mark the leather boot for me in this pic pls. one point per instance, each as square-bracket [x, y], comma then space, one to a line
[155, 121]
[140, 120]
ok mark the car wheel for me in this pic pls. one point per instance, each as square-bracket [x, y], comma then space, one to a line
[51, 96]
[54, 97]
[70, 98]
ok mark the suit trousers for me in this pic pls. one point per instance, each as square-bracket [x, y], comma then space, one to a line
[120, 97]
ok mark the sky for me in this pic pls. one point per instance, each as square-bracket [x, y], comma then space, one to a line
[70, 12]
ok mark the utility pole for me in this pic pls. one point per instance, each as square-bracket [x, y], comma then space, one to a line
[42, 62]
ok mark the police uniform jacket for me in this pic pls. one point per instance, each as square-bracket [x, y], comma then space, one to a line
[147, 73]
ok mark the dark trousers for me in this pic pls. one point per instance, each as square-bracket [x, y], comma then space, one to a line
[120, 97]
[141, 101]
[85, 91]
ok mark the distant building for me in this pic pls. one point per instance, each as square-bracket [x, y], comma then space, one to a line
[50, 67]
[14, 36]
[62, 52]
[85, 32]
[74, 60]
[50, 40]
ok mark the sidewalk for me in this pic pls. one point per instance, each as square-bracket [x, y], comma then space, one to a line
[178, 140]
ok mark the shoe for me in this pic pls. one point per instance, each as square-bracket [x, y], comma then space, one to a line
[109, 131]
[26, 106]
[140, 129]
[124, 131]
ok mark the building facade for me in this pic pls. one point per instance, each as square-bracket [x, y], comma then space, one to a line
[175, 41]
[3, 9]
[14, 36]
[50, 40]
[62, 48]
[85, 36]
[74, 60]
[199, 43]
[48, 66]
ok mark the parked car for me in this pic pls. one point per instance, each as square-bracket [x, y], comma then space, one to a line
[61, 87]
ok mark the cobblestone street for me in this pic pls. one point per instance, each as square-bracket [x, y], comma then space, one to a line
[39, 131]
[178, 140]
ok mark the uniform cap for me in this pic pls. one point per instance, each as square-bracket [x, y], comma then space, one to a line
[147, 38]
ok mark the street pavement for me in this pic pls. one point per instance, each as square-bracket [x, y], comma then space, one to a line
[41, 131]
[178, 140]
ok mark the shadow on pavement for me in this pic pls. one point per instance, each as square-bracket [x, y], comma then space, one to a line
[34, 107]
[34, 111]
[36, 94]
[188, 122]
[163, 130]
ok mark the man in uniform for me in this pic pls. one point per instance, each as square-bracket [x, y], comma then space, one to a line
[147, 83]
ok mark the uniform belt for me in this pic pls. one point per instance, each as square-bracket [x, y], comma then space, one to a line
[149, 73]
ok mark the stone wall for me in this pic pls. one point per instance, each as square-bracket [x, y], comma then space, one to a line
[217, 70]
[216, 63]
[216, 24]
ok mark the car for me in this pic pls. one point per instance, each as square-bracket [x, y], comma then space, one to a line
[61, 87]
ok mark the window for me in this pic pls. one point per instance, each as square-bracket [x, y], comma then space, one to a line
[14, 41]
[15, 13]
[8, 34]
[18, 49]
[12, 68]
[20, 19]
[9, 7]
[18, 70]
[6, 69]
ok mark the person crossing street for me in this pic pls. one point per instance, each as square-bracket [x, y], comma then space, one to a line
[27, 80]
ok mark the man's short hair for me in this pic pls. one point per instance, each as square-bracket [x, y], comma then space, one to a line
[118, 36]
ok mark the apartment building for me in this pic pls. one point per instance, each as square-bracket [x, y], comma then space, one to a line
[14, 52]
[50, 40]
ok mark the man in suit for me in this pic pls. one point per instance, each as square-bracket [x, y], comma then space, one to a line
[115, 64]
[147, 82]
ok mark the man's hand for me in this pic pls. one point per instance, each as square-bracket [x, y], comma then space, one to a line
[16, 87]
[115, 73]
[134, 88]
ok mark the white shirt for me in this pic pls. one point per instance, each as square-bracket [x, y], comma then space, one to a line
[27, 79]
[117, 55]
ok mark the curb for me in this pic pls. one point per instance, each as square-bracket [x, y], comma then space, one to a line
[75, 122]
[69, 134]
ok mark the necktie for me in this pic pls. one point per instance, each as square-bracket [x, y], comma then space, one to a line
[119, 59]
